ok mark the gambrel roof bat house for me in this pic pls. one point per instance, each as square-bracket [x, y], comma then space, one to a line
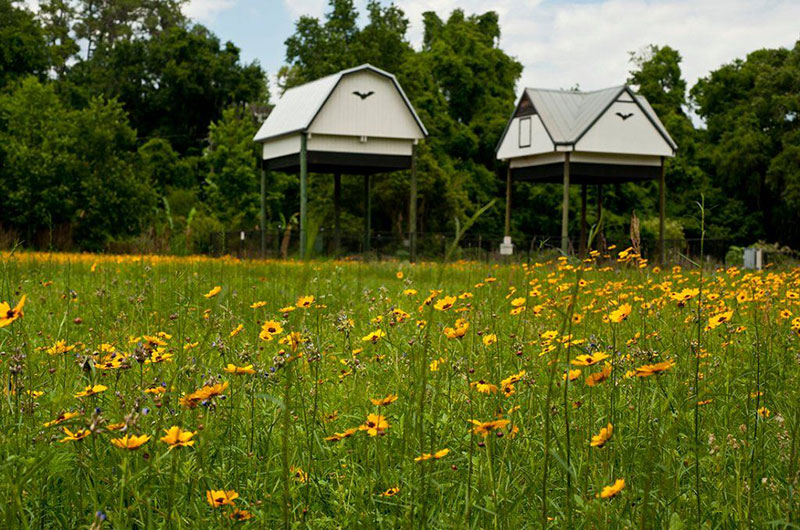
[358, 122]
[602, 137]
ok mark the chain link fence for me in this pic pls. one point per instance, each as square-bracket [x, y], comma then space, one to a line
[279, 243]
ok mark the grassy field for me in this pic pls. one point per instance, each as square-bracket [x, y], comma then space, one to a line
[154, 392]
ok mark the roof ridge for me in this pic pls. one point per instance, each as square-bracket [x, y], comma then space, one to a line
[576, 92]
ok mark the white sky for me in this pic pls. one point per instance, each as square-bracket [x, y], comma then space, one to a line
[564, 43]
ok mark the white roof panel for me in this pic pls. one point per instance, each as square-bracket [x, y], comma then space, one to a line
[298, 106]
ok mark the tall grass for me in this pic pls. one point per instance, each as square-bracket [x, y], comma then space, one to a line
[709, 441]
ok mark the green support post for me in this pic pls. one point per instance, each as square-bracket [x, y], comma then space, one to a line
[303, 195]
[661, 214]
[337, 197]
[412, 208]
[263, 216]
[367, 211]
[565, 208]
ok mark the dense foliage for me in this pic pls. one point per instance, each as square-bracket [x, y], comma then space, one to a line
[173, 107]
[191, 392]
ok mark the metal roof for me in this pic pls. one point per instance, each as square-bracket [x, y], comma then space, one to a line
[296, 109]
[568, 114]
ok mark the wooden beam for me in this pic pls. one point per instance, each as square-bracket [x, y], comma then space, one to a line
[367, 211]
[337, 197]
[661, 212]
[412, 207]
[565, 208]
[508, 202]
[582, 250]
[303, 194]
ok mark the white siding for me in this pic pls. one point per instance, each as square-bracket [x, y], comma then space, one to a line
[537, 160]
[539, 139]
[383, 114]
[601, 158]
[634, 135]
[281, 146]
[352, 144]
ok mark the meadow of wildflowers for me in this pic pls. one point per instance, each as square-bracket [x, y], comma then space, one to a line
[160, 392]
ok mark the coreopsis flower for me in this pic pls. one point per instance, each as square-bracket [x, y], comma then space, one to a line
[445, 303]
[434, 365]
[719, 319]
[9, 315]
[399, 275]
[518, 302]
[598, 377]
[286, 310]
[684, 296]
[298, 474]
[485, 427]
[238, 329]
[269, 329]
[410, 292]
[391, 492]
[432, 456]
[239, 370]
[484, 387]
[91, 390]
[213, 292]
[613, 490]
[380, 402]
[60, 347]
[177, 437]
[240, 515]
[512, 379]
[374, 337]
[458, 330]
[764, 412]
[304, 302]
[256, 305]
[61, 418]
[620, 314]
[375, 425]
[76, 436]
[131, 442]
[573, 375]
[293, 340]
[652, 369]
[218, 498]
[589, 360]
[600, 439]
[489, 339]
[339, 436]
[159, 356]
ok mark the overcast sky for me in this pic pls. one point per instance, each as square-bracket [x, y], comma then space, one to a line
[559, 43]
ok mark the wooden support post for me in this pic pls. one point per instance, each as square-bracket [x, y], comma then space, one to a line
[565, 208]
[583, 221]
[661, 208]
[507, 232]
[337, 197]
[303, 195]
[367, 211]
[412, 207]
[262, 218]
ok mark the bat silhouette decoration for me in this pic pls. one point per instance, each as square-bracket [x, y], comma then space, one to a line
[363, 95]
[624, 116]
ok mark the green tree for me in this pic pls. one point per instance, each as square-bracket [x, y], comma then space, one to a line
[750, 108]
[233, 184]
[22, 44]
[69, 168]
